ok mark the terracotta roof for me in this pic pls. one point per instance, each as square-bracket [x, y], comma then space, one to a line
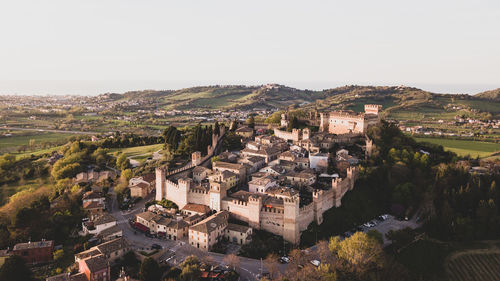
[110, 231]
[209, 224]
[237, 227]
[33, 245]
[226, 165]
[200, 169]
[112, 246]
[104, 218]
[96, 263]
[180, 224]
[198, 208]
[88, 253]
[93, 205]
[92, 195]
[141, 185]
[147, 216]
[151, 177]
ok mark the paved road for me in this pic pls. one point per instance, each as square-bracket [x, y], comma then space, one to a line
[249, 268]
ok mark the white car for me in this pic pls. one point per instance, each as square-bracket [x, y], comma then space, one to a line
[316, 263]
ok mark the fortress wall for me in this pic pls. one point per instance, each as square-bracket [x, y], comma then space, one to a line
[198, 197]
[272, 221]
[306, 216]
[238, 209]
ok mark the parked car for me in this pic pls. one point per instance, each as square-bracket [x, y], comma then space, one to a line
[156, 247]
[284, 260]
[316, 263]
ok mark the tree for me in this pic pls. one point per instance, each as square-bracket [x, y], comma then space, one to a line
[271, 264]
[232, 260]
[190, 272]
[360, 252]
[58, 254]
[15, 269]
[150, 271]
[251, 122]
[375, 234]
[122, 162]
[293, 124]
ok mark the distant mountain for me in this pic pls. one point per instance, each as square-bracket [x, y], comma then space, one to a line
[489, 95]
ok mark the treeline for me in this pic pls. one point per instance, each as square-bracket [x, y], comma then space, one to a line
[185, 142]
[127, 140]
[12, 170]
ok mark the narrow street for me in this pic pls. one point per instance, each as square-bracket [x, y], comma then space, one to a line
[248, 270]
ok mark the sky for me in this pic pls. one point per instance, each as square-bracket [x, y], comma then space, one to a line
[90, 47]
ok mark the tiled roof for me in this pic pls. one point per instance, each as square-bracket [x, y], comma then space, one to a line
[96, 263]
[211, 223]
[93, 205]
[104, 218]
[112, 246]
[237, 227]
[33, 245]
[92, 195]
[199, 208]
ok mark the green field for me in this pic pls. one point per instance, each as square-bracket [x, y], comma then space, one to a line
[139, 153]
[12, 143]
[464, 147]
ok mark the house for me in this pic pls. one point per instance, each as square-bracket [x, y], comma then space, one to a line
[95, 268]
[318, 161]
[93, 196]
[111, 250]
[110, 233]
[93, 209]
[301, 178]
[260, 185]
[229, 178]
[238, 169]
[35, 252]
[245, 132]
[238, 234]
[209, 231]
[162, 226]
[200, 173]
[99, 224]
[191, 209]
[142, 186]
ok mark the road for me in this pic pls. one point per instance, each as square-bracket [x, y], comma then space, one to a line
[248, 269]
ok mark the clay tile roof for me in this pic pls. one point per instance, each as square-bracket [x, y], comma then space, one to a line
[93, 205]
[237, 227]
[198, 208]
[105, 218]
[151, 177]
[112, 246]
[96, 263]
[92, 195]
[147, 216]
[211, 223]
[33, 245]
[180, 224]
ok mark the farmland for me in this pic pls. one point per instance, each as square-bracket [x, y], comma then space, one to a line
[477, 265]
[40, 142]
[464, 147]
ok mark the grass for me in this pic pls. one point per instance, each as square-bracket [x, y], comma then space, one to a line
[141, 152]
[7, 190]
[10, 144]
[464, 147]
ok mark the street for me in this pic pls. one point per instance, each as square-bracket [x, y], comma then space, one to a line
[248, 269]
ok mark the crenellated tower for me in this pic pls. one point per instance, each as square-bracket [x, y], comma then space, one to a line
[291, 230]
[161, 175]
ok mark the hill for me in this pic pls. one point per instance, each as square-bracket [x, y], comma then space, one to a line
[493, 95]
[395, 100]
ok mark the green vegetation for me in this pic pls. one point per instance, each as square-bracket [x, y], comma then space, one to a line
[481, 265]
[464, 147]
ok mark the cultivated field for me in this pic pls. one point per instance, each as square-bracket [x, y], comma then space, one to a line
[12, 143]
[474, 265]
[464, 147]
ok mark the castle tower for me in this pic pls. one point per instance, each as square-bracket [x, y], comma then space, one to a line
[161, 175]
[291, 231]
[323, 125]
[196, 158]
[306, 134]
[337, 186]
[284, 120]
[318, 206]
[218, 190]
[372, 109]
[254, 208]
[180, 196]
[295, 134]
[369, 148]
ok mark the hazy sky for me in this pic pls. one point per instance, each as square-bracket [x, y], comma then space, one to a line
[96, 46]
